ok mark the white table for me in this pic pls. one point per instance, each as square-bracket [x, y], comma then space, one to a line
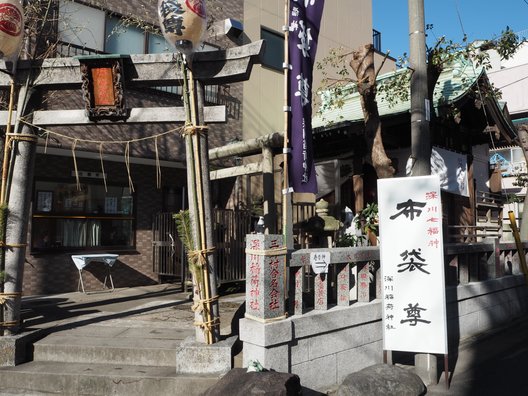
[82, 260]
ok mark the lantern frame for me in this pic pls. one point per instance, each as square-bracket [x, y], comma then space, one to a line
[103, 87]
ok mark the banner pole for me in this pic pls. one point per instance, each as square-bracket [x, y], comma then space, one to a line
[286, 194]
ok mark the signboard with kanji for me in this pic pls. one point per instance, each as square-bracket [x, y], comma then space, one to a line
[412, 264]
[265, 272]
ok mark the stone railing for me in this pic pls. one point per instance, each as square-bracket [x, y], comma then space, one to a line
[472, 262]
[353, 275]
[354, 272]
[334, 321]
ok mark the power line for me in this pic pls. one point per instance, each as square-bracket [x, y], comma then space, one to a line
[460, 18]
[513, 82]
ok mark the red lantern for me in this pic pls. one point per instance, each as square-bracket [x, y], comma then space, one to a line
[11, 28]
[183, 23]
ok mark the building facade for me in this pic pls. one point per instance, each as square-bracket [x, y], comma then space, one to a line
[97, 187]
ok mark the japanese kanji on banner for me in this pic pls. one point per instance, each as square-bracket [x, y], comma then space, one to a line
[412, 265]
[305, 19]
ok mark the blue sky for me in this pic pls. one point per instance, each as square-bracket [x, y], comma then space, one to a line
[479, 19]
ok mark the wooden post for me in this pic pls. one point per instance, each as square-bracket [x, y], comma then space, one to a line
[337, 188]
[359, 203]
[268, 184]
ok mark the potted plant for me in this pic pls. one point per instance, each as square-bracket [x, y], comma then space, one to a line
[367, 222]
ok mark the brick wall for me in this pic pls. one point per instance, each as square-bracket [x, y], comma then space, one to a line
[47, 273]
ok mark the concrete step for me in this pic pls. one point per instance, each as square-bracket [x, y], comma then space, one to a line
[111, 345]
[41, 378]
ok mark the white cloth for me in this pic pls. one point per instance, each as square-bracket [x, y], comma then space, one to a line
[82, 260]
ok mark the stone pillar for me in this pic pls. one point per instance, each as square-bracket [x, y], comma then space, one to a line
[268, 343]
[363, 283]
[321, 292]
[425, 366]
[452, 273]
[463, 268]
[265, 275]
[296, 290]
[473, 262]
[343, 285]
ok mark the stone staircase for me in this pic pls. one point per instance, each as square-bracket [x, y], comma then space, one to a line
[117, 357]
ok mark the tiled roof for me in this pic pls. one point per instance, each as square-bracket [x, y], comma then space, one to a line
[454, 82]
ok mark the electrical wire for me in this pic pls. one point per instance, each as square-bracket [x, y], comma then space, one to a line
[460, 18]
[513, 82]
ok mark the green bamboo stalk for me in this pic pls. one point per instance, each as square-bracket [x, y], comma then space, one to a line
[191, 183]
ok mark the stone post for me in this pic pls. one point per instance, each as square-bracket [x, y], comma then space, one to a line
[265, 276]
[363, 283]
[296, 290]
[343, 285]
[321, 292]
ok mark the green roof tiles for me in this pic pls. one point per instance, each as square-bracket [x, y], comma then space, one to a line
[454, 82]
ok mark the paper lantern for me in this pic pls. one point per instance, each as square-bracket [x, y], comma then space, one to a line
[11, 28]
[183, 23]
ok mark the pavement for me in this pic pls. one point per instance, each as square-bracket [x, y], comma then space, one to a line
[163, 303]
[494, 363]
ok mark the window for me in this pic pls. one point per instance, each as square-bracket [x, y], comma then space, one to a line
[88, 29]
[85, 30]
[157, 44]
[121, 39]
[376, 40]
[274, 52]
[81, 26]
[65, 218]
[510, 160]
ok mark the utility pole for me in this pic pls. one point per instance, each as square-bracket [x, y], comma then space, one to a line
[420, 136]
[425, 364]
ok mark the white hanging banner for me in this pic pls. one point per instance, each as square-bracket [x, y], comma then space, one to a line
[412, 264]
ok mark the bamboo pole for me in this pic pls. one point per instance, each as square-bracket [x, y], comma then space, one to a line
[518, 243]
[197, 196]
[191, 182]
[208, 213]
[201, 211]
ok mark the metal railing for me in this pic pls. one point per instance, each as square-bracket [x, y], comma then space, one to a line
[230, 229]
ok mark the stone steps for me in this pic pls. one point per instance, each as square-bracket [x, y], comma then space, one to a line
[118, 358]
[110, 345]
[66, 378]
[103, 353]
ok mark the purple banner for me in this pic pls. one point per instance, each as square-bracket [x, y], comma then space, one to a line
[305, 20]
